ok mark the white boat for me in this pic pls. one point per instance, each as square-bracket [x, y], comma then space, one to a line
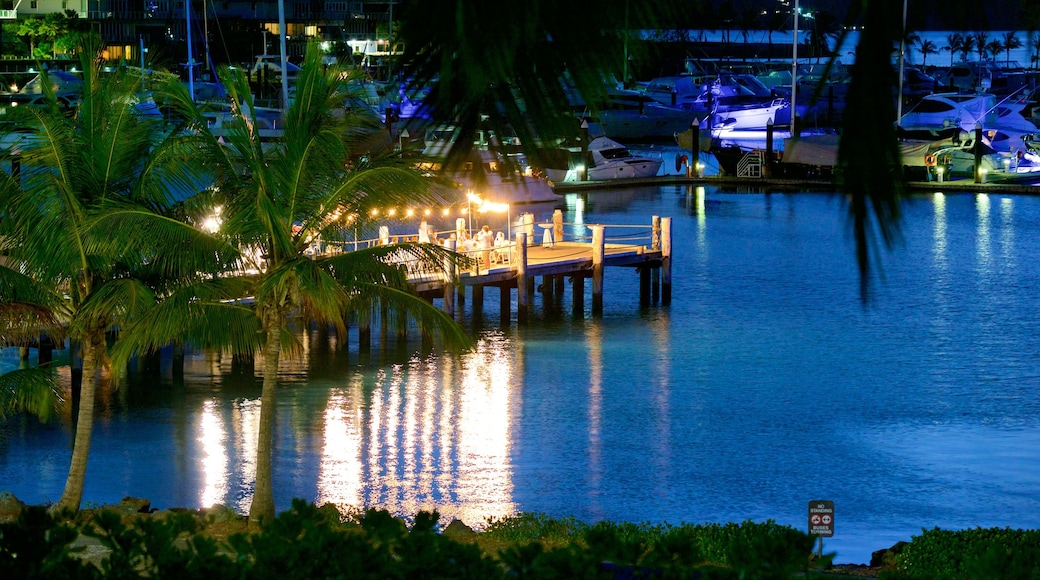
[608, 160]
[1003, 125]
[738, 102]
[634, 116]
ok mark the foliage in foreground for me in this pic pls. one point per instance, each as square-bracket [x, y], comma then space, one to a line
[311, 542]
[974, 553]
[320, 542]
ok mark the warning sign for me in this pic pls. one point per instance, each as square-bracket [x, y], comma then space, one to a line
[821, 518]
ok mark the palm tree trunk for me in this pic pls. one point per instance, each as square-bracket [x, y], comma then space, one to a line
[261, 510]
[73, 493]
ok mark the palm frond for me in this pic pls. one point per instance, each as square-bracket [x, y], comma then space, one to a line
[32, 390]
[869, 163]
[216, 314]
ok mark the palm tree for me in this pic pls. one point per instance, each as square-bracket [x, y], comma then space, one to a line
[994, 48]
[954, 44]
[1010, 42]
[277, 199]
[75, 169]
[910, 38]
[926, 47]
[1033, 44]
[981, 44]
[968, 46]
[824, 31]
[775, 21]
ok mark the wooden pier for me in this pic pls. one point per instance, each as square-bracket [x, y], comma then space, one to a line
[556, 253]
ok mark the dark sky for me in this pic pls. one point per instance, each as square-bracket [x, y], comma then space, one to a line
[926, 14]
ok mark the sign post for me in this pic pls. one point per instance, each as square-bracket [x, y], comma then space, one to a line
[821, 520]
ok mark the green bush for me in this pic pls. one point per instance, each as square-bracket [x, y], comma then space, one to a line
[971, 554]
[310, 542]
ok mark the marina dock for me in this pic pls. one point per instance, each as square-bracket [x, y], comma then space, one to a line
[560, 252]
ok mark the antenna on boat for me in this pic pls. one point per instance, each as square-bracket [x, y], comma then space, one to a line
[794, 68]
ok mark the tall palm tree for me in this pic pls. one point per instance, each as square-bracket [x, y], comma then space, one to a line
[968, 46]
[1010, 41]
[954, 44]
[824, 31]
[76, 168]
[276, 199]
[981, 44]
[775, 21]
[1033, 46]
[926, 47]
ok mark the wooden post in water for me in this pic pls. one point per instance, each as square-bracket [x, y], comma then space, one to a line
[504, 303]
[585, 150]
[45, 355]
[655, 233]
[769, 148]
[478, 299]
[521, 277]
[578, 295]
[598, 251]
[666, 261]
[695, 147]
[364, 328]
[644, 285]
[977, 148]
[559, 281]
[449, 282]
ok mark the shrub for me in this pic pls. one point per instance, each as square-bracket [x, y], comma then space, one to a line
[973, 553]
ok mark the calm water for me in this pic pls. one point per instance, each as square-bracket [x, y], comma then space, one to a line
[766, 384]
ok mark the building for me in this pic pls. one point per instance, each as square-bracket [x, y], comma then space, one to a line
[224, 31]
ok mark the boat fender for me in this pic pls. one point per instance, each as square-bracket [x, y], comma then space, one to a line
[929, 160]
[679, 160]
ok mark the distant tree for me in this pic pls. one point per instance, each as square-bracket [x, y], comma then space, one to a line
[1010, 42]
[746, 21]
[823, 31]
[774, 21]
[967, 47]
[909, 40]
[727, 17]
[981, 44]
[35, 29]
[994, 48]
[926, 47]
[1033, 44]
[954, 44]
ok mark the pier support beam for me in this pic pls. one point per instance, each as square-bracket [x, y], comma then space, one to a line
[450, 274]
[478, 300]
[521, 278]
[666, 261]
[644, 285]
[504, 305]
[364, 330]
[578, 295]
[598, 251]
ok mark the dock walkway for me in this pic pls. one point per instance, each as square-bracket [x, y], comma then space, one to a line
[562, 252]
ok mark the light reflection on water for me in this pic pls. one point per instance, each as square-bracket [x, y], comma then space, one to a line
[764, 385]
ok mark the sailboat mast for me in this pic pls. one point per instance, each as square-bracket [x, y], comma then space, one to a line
[794, 69]
[281, 48]
[191, 58]
[902, 49]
